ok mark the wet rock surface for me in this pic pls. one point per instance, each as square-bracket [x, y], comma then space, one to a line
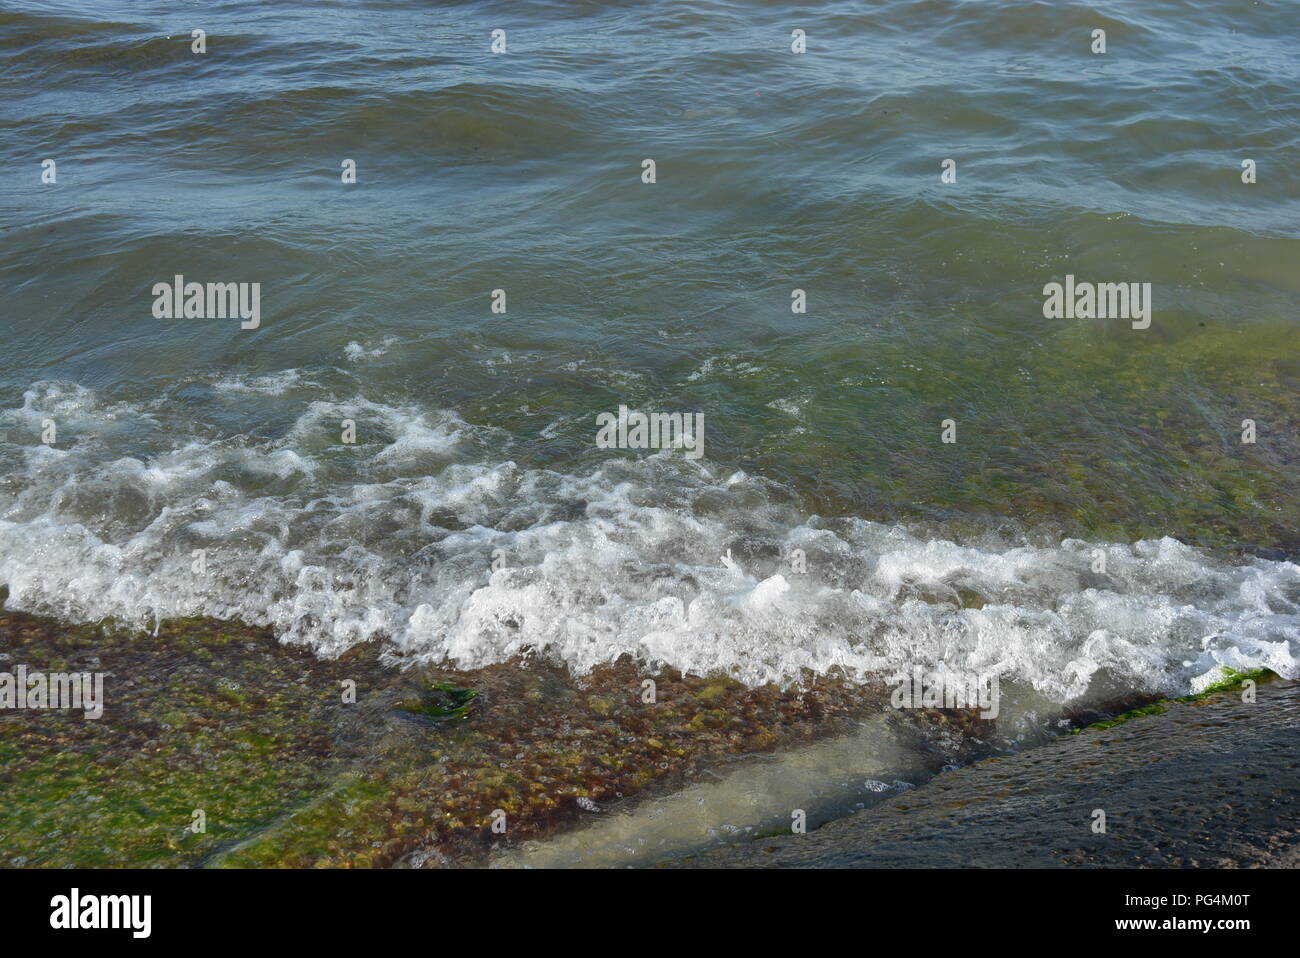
[1206, 783]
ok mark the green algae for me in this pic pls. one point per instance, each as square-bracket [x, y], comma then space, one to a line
[1090, 432]
[345, 821]
[1155, 708]
[289, 772]
[443, 701]
[177, 738]
[1232, 681]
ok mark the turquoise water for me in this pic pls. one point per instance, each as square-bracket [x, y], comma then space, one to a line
[775, 171]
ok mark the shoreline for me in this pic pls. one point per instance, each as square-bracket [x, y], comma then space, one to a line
[224, 719]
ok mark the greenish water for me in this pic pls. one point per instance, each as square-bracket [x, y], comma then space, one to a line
[775, 171]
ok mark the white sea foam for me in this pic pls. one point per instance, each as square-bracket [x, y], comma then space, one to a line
[730, 363]
[655, 558]
[355, 352]
[271, 384]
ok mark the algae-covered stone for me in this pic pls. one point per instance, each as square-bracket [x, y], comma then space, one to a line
[221, 746]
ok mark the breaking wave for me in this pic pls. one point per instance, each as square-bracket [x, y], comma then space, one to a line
[432, 540]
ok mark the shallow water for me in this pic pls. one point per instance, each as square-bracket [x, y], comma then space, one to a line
[475, 431]
[822, 781]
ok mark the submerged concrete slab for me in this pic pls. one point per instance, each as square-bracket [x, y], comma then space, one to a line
[1210, 783]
